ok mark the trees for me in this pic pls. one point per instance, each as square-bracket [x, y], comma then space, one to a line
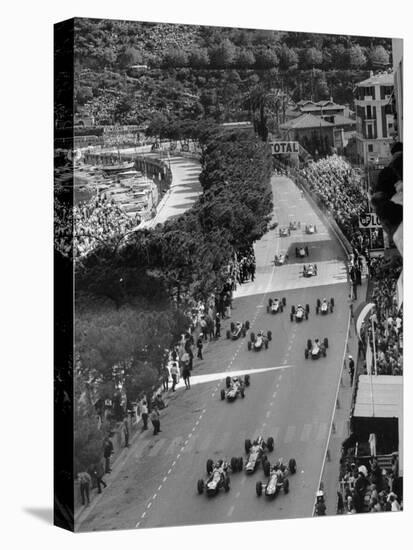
[313, 57]
[356, 57]
[288, 58]
[175, 57]
[378, 56]
[223, 54]
[198, 58]
[266, 58]
[244, 58]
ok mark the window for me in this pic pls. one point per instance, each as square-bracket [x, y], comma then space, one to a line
[370, 148]
[370, 131]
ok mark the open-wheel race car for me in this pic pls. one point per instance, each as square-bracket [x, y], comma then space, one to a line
[284, 231]
[255, 452]
[316, 349]
[301, 251]
[294, 225]
[310, 270]
[217, 477]
[324, 306]
[276, 305]
[299, 313]
[280, 259]
[237, 329]
[234, 387]
[310, 229]
[259, 341]
[278, 481]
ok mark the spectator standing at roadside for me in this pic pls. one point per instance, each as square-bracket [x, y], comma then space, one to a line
[217, 326]
[199, 345]
[98, 472]
[107, 453]
[186, 374]
[126, 431]
[85, 482]
[144, 414]
[165, 378]
[351, 368]
[174, 374]
[203, 325]
[156, 423]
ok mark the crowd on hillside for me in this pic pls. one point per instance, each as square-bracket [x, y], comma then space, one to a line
[90, 224]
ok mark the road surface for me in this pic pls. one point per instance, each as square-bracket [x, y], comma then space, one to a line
[290, 398]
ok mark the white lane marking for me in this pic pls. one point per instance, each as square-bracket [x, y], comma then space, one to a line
[154, 497]
[137, 525]
[277, 386]
[271, 403]
[178, 455]
[169, 471]
[173, 463]
[159, 488]
[230, 511]
[189, 436]
[268, 414]
[289, 436]
[149, 505]
[274, 394]
[143, 515]
[164, 479]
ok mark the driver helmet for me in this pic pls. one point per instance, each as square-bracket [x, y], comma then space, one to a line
[317, 341]
[320, 494]
[324, 300]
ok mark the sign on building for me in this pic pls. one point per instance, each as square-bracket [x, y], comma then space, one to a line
[369, 220]
[284, 147]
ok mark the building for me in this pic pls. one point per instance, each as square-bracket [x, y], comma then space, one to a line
[374, 117]
[397, 50]
[324, 108]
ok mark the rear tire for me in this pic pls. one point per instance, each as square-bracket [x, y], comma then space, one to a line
[306, 353]
[269, 335]
[258, 488]
[200, 486]
[232, 325]
[293, 310]
[306, 316]
[318, 302]
[281, 308]
[309, 344]
[228, 381]
[228, 334]
[234, 464]
[332, 301]
[291, 317]
[286, 486]
[252, 337]
[249, 346]
[266, 344]
[270, 302]
[247, 445]
[209, 466]
[326, 343]
[270, 444]
[317, 310]
[284, 301]
[266, 466]
[292, 465]
[247, 380]
[307, 308]
[222, 395]
[247, 325]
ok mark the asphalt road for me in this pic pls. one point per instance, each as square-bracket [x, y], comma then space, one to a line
[293, 402]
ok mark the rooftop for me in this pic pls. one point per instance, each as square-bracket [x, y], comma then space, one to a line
[306, 120]
[383, 79]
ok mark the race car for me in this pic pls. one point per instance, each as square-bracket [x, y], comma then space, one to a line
[255, 452]
[299, 313]
[284, 232]
[275, 305]
[301, 251]
[237, 329]
[310, 270]
[316, 349]
[278, 475]
[234, 387]
[259, 341]
[280, 259]
[324, 306]
[310, 229]
[294, 225]
[217, 478]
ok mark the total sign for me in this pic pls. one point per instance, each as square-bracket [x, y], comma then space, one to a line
[284, 147]
[369, 220]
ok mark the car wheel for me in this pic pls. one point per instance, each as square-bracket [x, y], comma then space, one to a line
[318, 302]
[270, 302]
[222, 395]
[209, 466]
[293, 310]
[258, 488]
[234, 464]
[286, 486]
[268, 309]
[332, 301]
[291, 317]
[306, 353]
[270, 444]
[281, 308]
[326, 343]
[240, 464]
[306, 316]
[242, 393]
[284, 301]
[228, 334]
[309, 344]
[269, 335]
[247, 325]
[200, 486]
[307, 308]
[292, 465]
[232, 325]
[266, 466]
[266, 344]
[247, 445]
[247, 379]
[249, 346]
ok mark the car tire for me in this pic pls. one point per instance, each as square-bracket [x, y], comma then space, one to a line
[222, 395]
[306, 353]
[332, 301]
[326, 343]
[266, 466]
[240, 464]
[309, 344]
[318, 302]
[247, 445]
[252, 337]
[306, 316]
[247, 380]
[232, 325]
[291, 317]
[242, 393]
[266, 344]
[227, 381]
[317, 310]
[284, 301]
[247, 325]
[258, 488]
[307, 308]
[249, 346]
[234, 464]
[209, 466]
[269, 335]
[281, 308]
[286, 486]
[292, 465]
[270, 444]
[270, 302]
[200, 486]
[268, 309]
[228, 334]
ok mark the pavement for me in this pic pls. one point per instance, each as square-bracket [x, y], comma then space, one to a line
[290, 398]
